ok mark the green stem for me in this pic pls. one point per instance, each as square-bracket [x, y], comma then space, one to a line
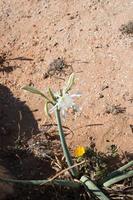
[118, 178]
[91, 187]
[64, 145]
[65, 183]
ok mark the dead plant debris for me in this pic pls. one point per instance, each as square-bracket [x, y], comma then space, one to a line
[115, 109]
[127, 28]
[58, 67]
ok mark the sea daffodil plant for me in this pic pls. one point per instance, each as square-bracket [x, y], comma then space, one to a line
[60, 102]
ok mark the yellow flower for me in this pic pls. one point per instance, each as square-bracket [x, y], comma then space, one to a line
[79, 151]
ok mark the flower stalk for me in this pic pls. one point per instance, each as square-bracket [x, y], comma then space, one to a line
[66, 152]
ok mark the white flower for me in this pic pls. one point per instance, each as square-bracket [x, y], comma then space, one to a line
[65, 102]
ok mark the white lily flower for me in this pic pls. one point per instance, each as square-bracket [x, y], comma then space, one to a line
[65, 102]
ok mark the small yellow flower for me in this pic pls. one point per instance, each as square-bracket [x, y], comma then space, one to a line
[79, 151]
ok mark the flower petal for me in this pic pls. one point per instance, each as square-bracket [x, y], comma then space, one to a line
[63, 114]
[79, 151]
[76, 95]
[64, 102]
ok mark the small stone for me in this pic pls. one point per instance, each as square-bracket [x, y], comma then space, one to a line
[101, 95]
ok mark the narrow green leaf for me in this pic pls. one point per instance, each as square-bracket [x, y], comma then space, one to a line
[117, 172]
[65, 183]
[46, 109]
[52, 95]
[118, 178]
[33, 90]
[129, 164]
[70, 82]
[91, 187]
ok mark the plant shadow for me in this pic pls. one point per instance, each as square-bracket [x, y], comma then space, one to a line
[17, 121]
[6, 65]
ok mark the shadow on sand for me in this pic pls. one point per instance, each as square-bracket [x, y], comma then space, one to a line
[16, 119]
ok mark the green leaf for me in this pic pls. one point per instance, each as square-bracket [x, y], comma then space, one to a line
[33, 90]
[118, 178]
[91, 187]
[65, 183]
[70, 83]
[46, 109]
[52, 95]
[116, 173]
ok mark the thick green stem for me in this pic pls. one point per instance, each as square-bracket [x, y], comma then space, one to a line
[64, 145]
[91, 187]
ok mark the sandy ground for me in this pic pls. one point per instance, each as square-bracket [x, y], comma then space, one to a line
[87, 35]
